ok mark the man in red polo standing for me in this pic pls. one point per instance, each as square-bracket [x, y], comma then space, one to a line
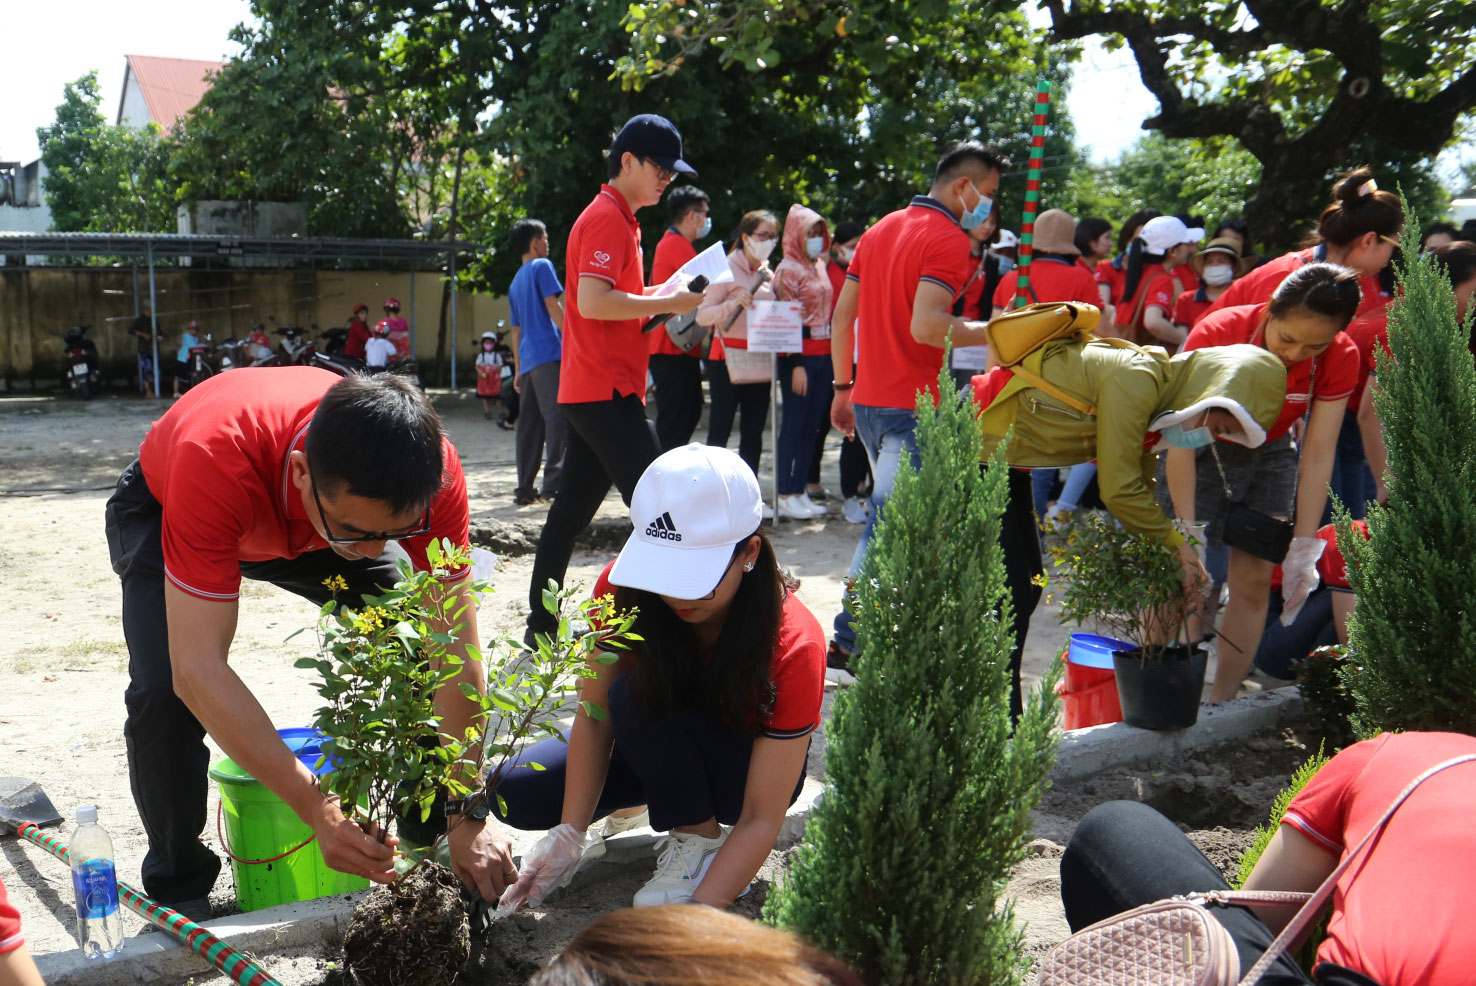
[602, 387]
[678, 375]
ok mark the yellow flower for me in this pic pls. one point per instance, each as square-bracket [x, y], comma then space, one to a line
[335, 583]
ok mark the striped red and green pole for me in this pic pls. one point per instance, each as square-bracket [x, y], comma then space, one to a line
[1032, 189]
[186, 932]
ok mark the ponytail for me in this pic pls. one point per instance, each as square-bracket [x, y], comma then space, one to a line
[1325, 290]
[1138, 257]
[1359, 206]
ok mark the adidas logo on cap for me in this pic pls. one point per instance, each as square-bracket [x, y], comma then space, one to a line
[663, 527]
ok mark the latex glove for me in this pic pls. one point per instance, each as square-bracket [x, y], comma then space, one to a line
[550, 864]
[1299, 575]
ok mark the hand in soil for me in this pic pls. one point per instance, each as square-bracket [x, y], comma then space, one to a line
[347, 849]
[481, 857]
[549, 865]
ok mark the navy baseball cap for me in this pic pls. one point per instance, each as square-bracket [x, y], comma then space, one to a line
[654, 137]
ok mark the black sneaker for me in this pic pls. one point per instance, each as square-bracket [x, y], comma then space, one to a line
[838, 665]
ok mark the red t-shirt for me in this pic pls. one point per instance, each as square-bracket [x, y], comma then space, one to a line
[672, 250]
[1336, 368]
[1401, 915]
[601, 357]
[922, 242]
[1188, 280]
[1050, 280]
[797, 668]
[217, 461]
[357, 336]
[10, 923]
[1190, 307]
[837, 275]
[1156, 290]
[1113, 273]
[1331, 567]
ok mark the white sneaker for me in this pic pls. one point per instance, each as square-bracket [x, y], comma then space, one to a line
[614, 826]
[768, 512]
[819, 509]
[854, 510]
[683, 862]
[795, 508]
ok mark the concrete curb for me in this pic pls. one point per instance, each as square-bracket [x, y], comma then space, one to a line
[1089, 751]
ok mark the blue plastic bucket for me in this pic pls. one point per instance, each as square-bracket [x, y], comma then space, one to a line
[307, 745]
[1090, 650]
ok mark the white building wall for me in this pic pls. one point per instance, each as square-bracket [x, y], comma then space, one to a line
[133, 111]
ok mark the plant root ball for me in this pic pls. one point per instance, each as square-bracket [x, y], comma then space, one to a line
[411, 933]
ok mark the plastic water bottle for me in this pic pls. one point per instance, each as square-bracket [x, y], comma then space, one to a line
[99, 925]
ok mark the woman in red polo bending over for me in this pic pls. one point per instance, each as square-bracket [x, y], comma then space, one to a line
[1302, 325]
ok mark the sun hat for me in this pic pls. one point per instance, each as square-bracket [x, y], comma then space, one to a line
[1166, 232]
[1222, 245]
[1055, 232]
[489, 334]
[650, 136]
[690, 507]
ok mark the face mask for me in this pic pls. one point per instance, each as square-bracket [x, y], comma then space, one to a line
[706, 228]
[816, 245]
[1219, 274]
[761, 248]
[1192, 438]
[975, 216]
[844, 254]
[1005, 264]
[487, 347]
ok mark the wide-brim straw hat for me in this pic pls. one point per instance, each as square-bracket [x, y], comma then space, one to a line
[1221, 245]
[1055, 232]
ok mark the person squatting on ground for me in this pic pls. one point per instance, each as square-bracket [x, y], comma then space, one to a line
[1401, 914]
[675, 945]
[897, 305]
[804, 377]
[708, 716]
[602, 383]
[1322, 620]
[1303, 327]
[536, 306]
[1144, 401]
[677, 374]
[725, 308]
[291, 475]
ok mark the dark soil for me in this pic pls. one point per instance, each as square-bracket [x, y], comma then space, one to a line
[413, 933]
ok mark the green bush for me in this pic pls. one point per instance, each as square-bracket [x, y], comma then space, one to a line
[906, 857]
[1414, 631]
[1321, 678]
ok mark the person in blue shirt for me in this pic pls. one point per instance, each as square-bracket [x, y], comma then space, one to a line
[182, 377]
[536, 299]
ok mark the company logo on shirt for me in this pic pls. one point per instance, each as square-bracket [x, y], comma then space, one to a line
[601, 258]
[663, 527]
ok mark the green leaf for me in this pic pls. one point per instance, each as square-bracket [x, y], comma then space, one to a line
[593, 711]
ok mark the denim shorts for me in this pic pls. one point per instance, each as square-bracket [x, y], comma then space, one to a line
[1263, 479]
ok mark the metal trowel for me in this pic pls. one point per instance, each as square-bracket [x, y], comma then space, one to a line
[22, 800]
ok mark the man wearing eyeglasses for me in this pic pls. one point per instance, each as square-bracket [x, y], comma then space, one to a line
[602, 382]
[288, 475]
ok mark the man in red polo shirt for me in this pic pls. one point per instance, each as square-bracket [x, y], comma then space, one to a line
[602, 389]
[897, 304]
[289, 475]
[678, 375]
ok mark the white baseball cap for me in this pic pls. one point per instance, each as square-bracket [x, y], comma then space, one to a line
[1005, 240]
[691, 506]
[1166, 232]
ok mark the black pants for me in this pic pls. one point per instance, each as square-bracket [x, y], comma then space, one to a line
[728, 398]
[1124, 854]
[1023, 564]
[608, 441]
[167, 757]
[678, 397]
[686, 767]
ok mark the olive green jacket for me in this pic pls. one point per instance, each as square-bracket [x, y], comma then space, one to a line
[1129, 389]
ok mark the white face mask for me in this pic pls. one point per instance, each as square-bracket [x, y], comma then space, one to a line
[760, 249]
[1219, 274]
[816, 245]
[844, 254]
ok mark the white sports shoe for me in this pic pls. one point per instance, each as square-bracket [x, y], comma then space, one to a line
[854, 510]
[683, 863]
[819, 509]
[797, 507]
[614, 826]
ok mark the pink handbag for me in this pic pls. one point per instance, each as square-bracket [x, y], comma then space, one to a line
[1178, 942]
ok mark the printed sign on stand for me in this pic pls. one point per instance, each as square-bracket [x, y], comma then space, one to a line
[776, 327]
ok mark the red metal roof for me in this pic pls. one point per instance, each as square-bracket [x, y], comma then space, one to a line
[171, 86]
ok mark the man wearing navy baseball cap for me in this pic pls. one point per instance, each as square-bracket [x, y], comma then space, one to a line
[602, 384]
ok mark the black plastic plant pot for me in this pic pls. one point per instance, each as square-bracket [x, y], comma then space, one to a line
[1161, 694]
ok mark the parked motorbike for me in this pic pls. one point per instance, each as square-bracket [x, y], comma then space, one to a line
[81, 373]
[295, 349]
[230, 355]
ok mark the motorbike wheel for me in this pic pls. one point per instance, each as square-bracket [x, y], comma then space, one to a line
[84, 388]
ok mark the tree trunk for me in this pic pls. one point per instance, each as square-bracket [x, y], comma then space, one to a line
[446, 286]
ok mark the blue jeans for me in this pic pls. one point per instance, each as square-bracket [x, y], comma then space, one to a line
[803, 414]
[1281, 647]
[885, 432]
[1351, 481]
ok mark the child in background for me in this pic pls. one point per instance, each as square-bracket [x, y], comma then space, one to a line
[379, 348]
[489, 379]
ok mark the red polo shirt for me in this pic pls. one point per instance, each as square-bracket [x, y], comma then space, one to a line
[1113, 273]
[603, 358]
[217, 461]
[922, 242]
[1188, 280]
[837, 275]
[1190, 307]
[1050, 280]
[1336, 368]
[672, 250]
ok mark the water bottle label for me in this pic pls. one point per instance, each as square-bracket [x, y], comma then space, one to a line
[96, 885]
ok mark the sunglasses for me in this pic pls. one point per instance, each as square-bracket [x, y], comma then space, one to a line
[421, 528]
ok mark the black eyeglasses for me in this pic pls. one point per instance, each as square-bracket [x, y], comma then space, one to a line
[422, 528]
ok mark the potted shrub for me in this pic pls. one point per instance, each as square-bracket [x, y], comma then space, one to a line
[1132, 585]
[380, 665]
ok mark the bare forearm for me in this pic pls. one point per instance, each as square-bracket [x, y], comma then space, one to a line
[616, 305]
[1181, 482]
[1372, 431]
[738, 861]
[514, 334]
[935, 328]
[1164, 330]
[17, 968]
[587, 763]
[1317, 463]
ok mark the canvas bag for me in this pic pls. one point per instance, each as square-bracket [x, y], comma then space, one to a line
[1016, 335]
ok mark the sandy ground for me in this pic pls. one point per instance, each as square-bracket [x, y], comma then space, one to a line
[63, 663]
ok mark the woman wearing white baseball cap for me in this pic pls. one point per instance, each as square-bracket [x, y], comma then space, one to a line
[1145, 313]
[709, 714]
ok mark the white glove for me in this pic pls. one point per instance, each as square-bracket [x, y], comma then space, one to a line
[1299, 575]
[549, 865]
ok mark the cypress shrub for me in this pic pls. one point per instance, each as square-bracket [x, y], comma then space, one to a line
[906, 857]
[1414, 631]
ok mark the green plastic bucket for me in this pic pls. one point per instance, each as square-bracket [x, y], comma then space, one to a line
[258, 825]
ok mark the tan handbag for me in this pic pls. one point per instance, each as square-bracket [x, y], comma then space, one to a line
[1178, 942]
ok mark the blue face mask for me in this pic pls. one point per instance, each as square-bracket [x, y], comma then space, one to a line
[1192, 438]
[976, 216]
[706, 228]
[1005, 264]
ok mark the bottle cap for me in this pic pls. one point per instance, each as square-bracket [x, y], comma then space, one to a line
[87, 815]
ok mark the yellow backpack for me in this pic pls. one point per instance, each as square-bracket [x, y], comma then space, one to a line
[1015, 335]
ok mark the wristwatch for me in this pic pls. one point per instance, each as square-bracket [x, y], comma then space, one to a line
[474, 807]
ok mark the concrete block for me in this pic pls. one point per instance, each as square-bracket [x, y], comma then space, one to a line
[1089, 751]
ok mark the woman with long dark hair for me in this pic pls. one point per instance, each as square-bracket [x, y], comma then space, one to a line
[1145, 310]
[707, 718]
[1111, 272]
